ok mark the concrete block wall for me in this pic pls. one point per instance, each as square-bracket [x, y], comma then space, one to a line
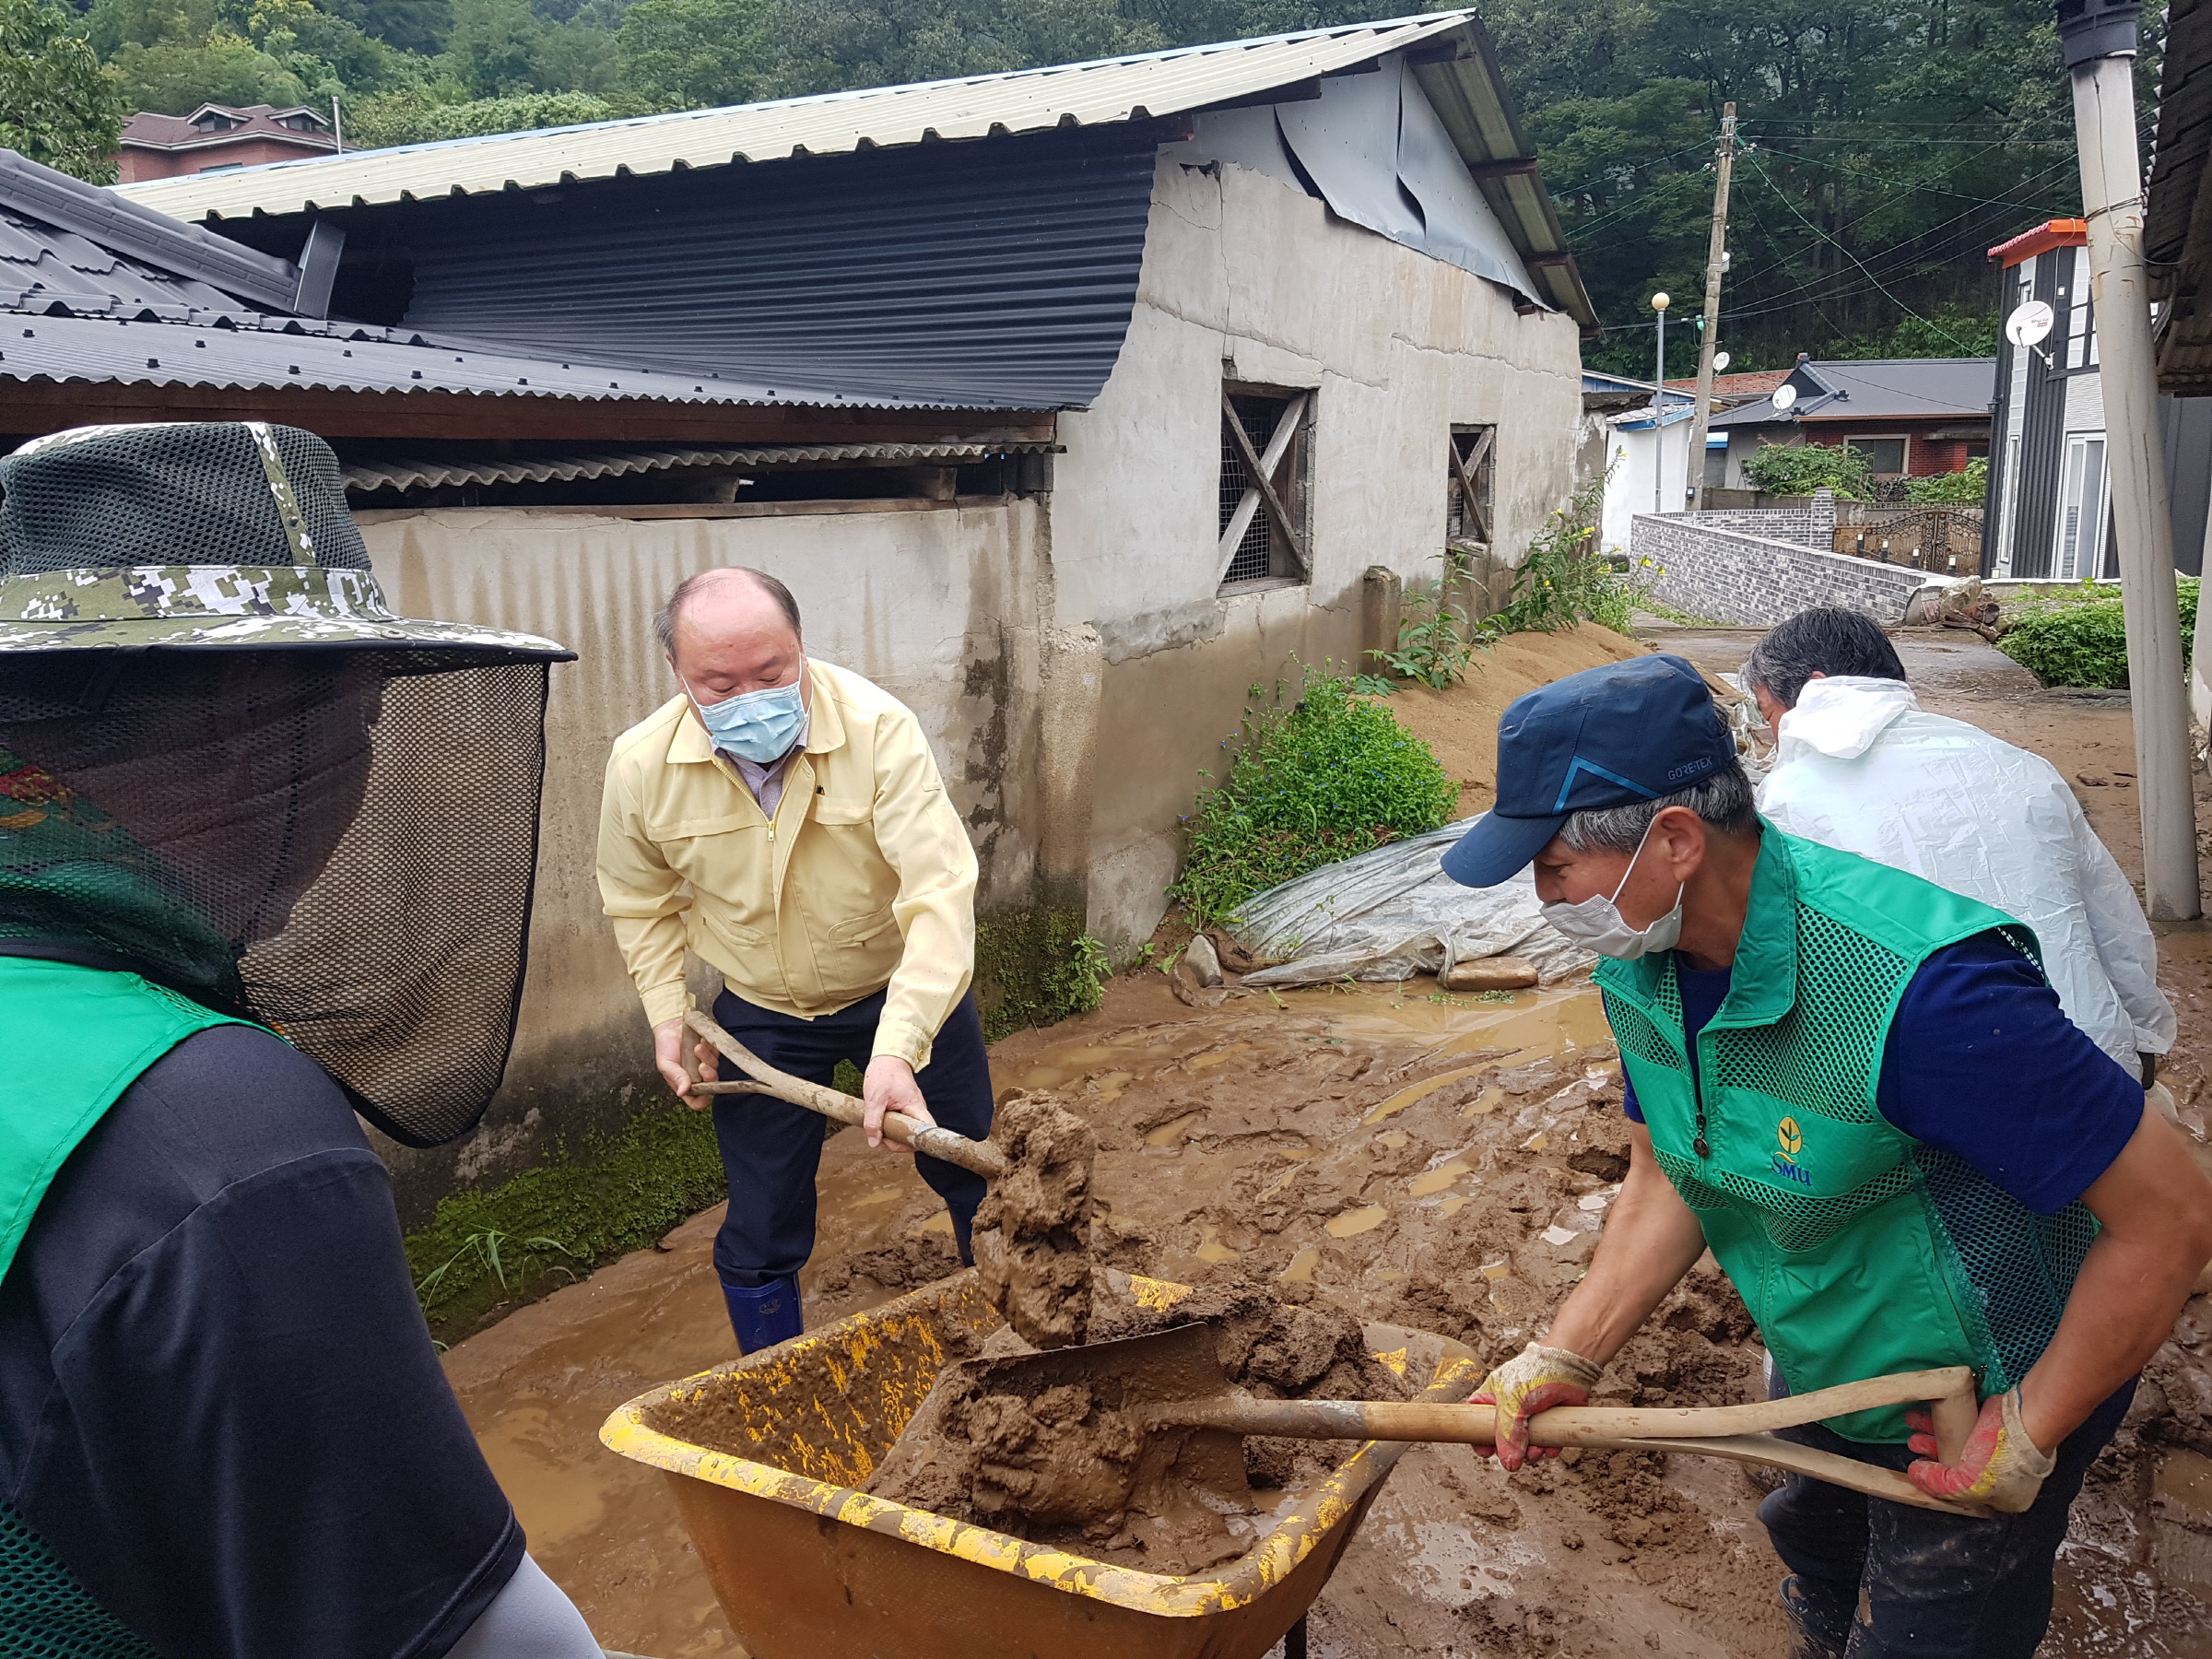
[1811, 525]
[1758, 580]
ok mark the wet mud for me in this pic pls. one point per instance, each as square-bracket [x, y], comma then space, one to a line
[1032, 1230]
[1395, 1155]
[1058, 1452]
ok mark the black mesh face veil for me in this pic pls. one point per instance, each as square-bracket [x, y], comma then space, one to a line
[340, 844]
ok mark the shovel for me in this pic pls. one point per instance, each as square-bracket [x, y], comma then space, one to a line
[1172, 1381]
[978, 1157]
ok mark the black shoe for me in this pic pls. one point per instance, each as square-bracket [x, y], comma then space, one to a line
[1821, 1630]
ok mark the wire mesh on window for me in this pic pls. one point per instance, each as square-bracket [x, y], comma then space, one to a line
[1457, 524]
[1255, 556]
[338, 843]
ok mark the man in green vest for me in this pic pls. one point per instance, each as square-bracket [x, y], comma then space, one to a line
[266, 856]
[1858, 1091]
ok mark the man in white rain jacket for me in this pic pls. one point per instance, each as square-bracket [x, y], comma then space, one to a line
[1862, 767]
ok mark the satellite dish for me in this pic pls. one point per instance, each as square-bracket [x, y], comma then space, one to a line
[1720, 361]
[2029, 323]
[1786, 398]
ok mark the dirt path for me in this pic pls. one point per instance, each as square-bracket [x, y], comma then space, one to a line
[1428, 1160]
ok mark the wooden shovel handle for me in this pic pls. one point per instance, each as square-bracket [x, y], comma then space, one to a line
[1562, 1424]
[976, 1156]
[1741, 1432]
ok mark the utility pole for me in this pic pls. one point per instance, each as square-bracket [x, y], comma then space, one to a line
[1716, 261]
[1659, 305]
[2099, 40]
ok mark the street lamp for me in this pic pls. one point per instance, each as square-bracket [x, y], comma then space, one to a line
[1660, 301]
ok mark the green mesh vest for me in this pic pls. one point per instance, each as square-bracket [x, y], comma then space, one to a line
[92, 1033]
[1857, 1249]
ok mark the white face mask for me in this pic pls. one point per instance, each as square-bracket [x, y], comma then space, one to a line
[1596, 923]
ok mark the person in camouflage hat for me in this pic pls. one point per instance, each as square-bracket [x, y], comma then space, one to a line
[266, 856]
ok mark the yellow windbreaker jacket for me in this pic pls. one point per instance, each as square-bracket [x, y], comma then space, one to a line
[866, 879]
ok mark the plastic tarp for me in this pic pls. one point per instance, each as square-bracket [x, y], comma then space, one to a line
[1373, 147]
[1392, 914]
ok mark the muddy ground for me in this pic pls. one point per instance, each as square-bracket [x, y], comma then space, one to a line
[1420, 1159]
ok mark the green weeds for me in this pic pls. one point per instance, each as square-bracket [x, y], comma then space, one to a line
[1312, 782]
[2079, 636]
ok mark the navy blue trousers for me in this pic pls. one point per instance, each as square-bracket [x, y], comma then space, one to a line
[1884, 1581]
[769, 1148]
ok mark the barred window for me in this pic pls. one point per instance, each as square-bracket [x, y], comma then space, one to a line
[1262, 493]
[1473, 465]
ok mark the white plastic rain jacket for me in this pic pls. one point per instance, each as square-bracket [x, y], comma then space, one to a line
[1861, 767]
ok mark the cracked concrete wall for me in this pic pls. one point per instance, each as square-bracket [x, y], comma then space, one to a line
[938, 606]
[1247, 279]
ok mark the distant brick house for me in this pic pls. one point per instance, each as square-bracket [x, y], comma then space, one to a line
[217, 138]
[1910, 417]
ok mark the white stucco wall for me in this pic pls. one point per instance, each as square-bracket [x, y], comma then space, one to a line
[1248, 279]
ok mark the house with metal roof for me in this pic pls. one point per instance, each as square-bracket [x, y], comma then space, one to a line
[1222, 344]
[1911, 417]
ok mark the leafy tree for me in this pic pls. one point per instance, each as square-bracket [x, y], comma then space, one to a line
[492, 47]
[417, 114]
[694, 54]
[175, 80]
[55, 105]
[417, 26]
[1967, 487]
[1798, 469]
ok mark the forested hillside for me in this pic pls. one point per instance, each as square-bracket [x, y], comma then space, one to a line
[1889, 142]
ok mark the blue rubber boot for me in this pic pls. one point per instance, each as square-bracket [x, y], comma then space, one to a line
[763, 1315]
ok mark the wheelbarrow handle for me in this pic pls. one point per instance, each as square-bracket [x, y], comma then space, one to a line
[1742, 1432]
[977, 1157]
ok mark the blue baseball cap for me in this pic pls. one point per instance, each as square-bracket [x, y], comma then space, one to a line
[1607, 736]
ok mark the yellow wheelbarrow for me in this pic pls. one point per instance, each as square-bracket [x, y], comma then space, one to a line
[806, 1565]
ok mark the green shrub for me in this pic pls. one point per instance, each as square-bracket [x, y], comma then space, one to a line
[1798, 469]
[1312, 782]
[1965, 489]
[2079, 637]
[1565, 579]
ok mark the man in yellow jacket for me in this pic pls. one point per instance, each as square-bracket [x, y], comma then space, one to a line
[785, 820]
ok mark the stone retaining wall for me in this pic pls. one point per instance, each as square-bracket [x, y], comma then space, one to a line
[1758, 580]
[1813, 525]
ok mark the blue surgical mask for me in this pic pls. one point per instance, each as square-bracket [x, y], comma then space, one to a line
[755, 725]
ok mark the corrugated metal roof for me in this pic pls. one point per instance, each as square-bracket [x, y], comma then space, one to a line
[43, 266]
[168, 354]
[1005, 282]
[428, 474]
[1021, 101]
[45, 201]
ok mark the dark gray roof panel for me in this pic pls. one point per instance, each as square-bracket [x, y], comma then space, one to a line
[1002, 279]
[1879, 389]
[35, 346]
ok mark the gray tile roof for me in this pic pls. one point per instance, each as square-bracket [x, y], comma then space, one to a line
[1878, 389]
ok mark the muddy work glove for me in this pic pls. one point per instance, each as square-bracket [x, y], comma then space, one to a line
[1535, 1380]
[2000, 1467]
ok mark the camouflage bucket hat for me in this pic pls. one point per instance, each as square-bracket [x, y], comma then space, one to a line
[186, 535]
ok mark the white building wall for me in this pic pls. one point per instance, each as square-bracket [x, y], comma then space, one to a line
[1246, 279]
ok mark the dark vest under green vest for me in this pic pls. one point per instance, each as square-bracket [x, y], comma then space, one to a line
[76, 1038]
[1858, 1249]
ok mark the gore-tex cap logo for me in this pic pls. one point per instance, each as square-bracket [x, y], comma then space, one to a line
[1690, 769]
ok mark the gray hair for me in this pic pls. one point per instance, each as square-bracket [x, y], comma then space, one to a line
[663, 621]
[1826, 638]
[1723, 800]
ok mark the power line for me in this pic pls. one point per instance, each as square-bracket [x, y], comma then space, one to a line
[1824, 236]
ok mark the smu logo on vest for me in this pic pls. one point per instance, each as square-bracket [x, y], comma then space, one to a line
[1792, 1139]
